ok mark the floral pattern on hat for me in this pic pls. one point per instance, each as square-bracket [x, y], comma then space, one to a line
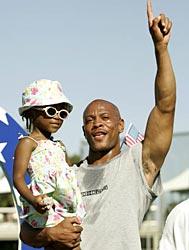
[43, 92]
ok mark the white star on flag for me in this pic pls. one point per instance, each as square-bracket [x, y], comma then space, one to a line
[2, 146]
[3, 116]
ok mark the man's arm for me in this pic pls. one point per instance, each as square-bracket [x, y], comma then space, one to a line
[159, 129]
[65, 235]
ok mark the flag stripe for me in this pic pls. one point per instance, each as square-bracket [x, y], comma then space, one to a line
[132, 136]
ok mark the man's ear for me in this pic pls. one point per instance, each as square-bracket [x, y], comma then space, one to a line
[121, 125]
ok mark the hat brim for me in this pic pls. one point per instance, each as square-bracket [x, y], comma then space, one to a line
[21, 110]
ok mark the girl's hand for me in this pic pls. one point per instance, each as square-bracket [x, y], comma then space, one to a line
[40, 203]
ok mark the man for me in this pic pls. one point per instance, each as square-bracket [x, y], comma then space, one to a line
[118, 187]
[176, 232]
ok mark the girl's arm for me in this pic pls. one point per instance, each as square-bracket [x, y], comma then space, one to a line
[21, 159]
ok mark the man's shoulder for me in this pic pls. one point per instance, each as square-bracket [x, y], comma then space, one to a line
[127, 153]
[133, 151]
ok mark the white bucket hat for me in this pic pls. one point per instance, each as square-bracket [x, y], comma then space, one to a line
[43, 92]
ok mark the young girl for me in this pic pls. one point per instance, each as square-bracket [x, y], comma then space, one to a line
[53, 192]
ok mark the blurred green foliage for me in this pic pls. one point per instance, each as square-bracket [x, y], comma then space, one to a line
[6, 200]
[74, 159]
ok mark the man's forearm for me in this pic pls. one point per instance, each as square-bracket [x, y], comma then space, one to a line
[165, 84]
[64, 235]
[34, 237]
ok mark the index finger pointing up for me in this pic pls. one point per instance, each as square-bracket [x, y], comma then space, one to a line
[150, 12]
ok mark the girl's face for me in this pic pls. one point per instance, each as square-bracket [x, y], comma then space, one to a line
[49, 120]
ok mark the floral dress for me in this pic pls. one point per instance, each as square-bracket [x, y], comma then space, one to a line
[51, 175]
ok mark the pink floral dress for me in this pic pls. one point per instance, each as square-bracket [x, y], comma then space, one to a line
[51, 175]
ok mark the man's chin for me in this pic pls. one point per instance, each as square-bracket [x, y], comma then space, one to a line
[99, 148]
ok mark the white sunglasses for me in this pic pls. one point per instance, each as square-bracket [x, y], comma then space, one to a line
[52, 112]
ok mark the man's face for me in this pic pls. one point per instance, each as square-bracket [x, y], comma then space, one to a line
[102, 125]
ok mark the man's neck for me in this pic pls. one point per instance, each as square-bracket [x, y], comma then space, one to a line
[99, 158]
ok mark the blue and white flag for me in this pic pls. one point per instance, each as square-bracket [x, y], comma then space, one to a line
[10, 131]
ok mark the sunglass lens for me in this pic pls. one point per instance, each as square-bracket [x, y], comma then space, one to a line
[51, 111]
[63, 114]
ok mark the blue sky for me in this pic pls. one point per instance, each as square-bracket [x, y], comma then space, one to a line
[96, 49]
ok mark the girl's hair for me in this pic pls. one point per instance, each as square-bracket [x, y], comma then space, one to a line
[28, 117]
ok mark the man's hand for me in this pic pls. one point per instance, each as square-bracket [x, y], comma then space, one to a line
[65, 235]
[159, 27]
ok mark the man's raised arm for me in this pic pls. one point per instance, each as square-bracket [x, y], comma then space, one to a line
[159, 129]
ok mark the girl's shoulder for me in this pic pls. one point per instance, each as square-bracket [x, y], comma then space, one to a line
[28, 141]
[27, 138]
